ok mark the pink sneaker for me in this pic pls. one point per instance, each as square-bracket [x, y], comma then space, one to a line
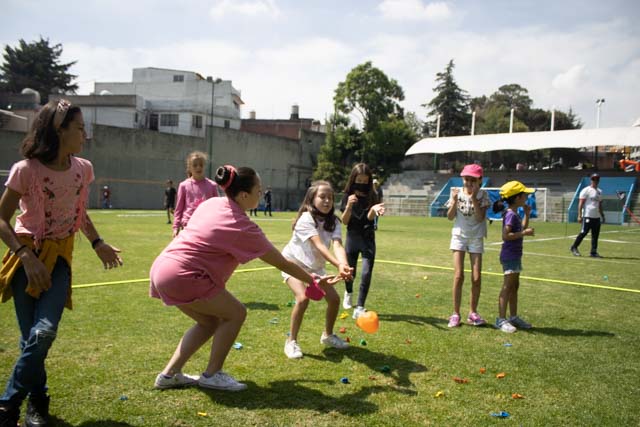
[454, 320]
[475, 319]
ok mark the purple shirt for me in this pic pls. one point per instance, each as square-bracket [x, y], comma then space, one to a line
[511, 249]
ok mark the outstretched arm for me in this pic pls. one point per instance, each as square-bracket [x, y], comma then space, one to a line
[276, 259]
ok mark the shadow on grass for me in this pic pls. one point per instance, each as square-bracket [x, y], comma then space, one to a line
[387, 365]
[293, 394]
[436, 322]
[261, 306]
[626, 258]
[55, 421]
[568, 332]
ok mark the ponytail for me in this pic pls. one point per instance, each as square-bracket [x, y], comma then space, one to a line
[233, 180]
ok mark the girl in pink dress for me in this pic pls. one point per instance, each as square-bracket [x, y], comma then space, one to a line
[192, 191]
[51, 188]
[192, 272]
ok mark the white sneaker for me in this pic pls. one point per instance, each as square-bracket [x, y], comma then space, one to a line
[333, 341]
[177, 380]
[359, 311]
[346, 301]
[505, 326]
[221, 381]
[292, 349]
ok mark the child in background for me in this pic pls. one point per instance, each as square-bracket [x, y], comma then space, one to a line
[191, 273]
[313, 231]
[51, 187]
[513, 231]
[468, 207]
[169, 199]
[192, 191]
[359, 208]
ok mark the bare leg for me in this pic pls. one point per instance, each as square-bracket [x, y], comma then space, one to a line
[333, 306]
[476, 279]
[458, 279]
[513, 298]
[302, 302]
[192, 340]
[508, 287]
[229, 315]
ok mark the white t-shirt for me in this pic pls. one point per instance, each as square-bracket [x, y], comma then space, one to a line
[592, 198]
[465, 224]
[300, 249]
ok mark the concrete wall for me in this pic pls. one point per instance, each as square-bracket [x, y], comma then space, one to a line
[135, 163]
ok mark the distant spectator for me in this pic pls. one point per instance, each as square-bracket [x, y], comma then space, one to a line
[520, 166]
[106, 197]
[169, 199]
[267, 201]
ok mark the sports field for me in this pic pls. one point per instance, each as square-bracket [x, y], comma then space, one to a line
[578, 366]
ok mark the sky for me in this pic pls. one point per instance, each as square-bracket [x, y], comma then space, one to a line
[278, 53]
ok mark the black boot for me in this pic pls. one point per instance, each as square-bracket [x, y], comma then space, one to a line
[37, 412]
[9, 416]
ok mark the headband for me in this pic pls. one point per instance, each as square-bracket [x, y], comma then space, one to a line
[61, 112]
[233, 172]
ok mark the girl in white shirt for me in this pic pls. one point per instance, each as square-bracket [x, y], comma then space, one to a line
[315, 228]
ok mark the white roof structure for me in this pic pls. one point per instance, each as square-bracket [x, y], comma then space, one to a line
[529, 141]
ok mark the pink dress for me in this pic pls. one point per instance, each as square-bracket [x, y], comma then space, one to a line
[199, 261]
[190, 194]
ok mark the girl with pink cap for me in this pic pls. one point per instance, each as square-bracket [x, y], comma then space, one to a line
[467, 207]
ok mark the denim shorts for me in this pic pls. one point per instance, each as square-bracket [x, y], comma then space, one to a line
[511, 266]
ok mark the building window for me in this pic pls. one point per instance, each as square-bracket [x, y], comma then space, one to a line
[196, 122]
[135, 118]
[178, 78]
[227, 124]
[169, 120]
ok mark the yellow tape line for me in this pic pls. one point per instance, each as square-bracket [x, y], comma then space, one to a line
[119, 282]
[409, 264]
[539, 279]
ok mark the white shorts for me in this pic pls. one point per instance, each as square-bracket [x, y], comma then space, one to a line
[473, 245]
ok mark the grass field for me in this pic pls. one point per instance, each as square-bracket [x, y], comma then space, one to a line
[578, 366]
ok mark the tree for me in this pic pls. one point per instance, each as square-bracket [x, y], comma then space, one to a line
[37, 66]
[371, 93]
[338, 152]
[452, 103]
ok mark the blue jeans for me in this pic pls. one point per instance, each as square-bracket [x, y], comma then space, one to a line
[38, 321]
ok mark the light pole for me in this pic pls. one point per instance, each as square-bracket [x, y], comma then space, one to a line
[599, 103]
[213, 102]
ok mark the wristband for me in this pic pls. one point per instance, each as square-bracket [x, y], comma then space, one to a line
[96, 242]
[19, 249]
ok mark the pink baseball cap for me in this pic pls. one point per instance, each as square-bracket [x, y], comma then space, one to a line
[473, 170]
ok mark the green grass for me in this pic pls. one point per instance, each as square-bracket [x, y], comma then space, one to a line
[578, 366]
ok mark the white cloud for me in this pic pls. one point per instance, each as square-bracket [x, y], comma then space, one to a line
[414, 10]
[570, 79]
[250, 8]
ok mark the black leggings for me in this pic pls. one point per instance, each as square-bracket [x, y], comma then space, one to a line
[356, 245]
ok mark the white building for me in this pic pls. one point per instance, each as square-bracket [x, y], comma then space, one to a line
[171, 101]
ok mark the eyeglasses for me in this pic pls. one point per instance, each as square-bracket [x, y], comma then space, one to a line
[61, 112]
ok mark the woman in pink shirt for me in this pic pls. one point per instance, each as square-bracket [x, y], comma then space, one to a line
[192, 191]
[51, 188]
[191, 273]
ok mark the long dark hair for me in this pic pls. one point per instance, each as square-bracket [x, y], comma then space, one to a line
[361, 169]
[499, 205]
[330, 219]
[42, 142]
[233, 180]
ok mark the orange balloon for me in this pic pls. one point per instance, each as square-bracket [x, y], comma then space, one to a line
[368, 322]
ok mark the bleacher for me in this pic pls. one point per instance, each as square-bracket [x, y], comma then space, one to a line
[413, 192]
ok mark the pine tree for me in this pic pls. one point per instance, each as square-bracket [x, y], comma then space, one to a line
[37, 66]
[452, 103]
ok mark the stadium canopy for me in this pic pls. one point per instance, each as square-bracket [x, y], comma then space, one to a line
[529, 141]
